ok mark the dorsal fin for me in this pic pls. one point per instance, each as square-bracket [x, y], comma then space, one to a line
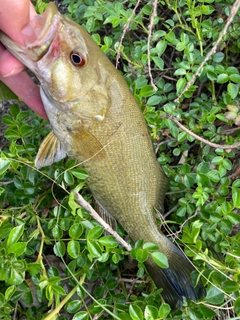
[49, 152]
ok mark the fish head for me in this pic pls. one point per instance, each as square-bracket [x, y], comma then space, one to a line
[63, 57]
[75, 83]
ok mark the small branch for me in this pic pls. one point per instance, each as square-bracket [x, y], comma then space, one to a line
[211, 144]
[150, 27]
[234, 11]
[83, 203]
[125, 29]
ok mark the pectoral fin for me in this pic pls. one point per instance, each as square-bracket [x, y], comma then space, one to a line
[49, 152]
[86, 145]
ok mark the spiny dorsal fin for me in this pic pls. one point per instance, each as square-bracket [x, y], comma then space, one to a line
[49, 152]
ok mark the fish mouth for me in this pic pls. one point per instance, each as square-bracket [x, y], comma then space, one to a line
[45, 27]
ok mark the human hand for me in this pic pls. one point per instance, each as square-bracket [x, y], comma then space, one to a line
[15, 16]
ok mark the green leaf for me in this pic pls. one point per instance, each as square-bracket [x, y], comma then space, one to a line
[111, 284]
[214, 296]
[95, 233]
[57, 232]
[237, 305]
[236, 183]
[171, 37]
[11, 134]
[214, 175]
[6, 93]
[73, 306]
[54, 280]
[161, 47]
[25, 130]
[235, 78]
[79, 173]
[8, 120]
[59, 289]
[4, 165]
[16, 276]
[150, 246]
[124, 316]
[227, 164]
[150, 313]
[212, 75]
[182, 136]
[234, 218]
[108, 241]
[73, 249]
[180, 72]
[164, 310]
[232, 90]
[236, 197]
[82, 315]
[147, 91]
[230, 286]
[218, 57]
[76, 231]
[158, 62]
[94, 249]
[160, 259]
[222, 78]
[206, 312]
[180, 46]
[14, 110]
[141, 255]
[96, 37]
[181, 84]
[135, 312]
[17, 248]
[59, 249]
[33, 268]
[15, 235]
[154, 100]
[2, 300]
[68, 178]
[9, 292]
[107, 41]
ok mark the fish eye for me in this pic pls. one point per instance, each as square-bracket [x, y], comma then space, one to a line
[77, 59]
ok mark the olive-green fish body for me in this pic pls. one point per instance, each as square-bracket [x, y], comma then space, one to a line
[96, 120]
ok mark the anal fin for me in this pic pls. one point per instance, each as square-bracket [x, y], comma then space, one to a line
[105, 215]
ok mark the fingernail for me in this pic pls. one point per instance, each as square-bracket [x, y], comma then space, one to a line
[12, 72]
[28, 33]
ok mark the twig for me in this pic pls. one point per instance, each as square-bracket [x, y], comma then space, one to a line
[83, 203]
[6, 182]
[182, 225]
[211, 144]
[234, 11]
[150, 27]
[125, 28]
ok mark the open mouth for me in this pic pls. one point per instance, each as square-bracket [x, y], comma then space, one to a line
[45, 27]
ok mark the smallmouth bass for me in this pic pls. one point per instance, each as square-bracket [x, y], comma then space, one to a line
[96, 120]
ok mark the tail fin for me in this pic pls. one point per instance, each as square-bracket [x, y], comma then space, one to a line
[175, 280]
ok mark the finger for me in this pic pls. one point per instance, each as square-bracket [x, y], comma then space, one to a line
[9, 65]
[22, 85]
[15, 16]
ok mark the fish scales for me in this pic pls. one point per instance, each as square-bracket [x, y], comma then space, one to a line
[96, 120]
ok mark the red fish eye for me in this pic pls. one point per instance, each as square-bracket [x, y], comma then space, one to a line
[77, 59]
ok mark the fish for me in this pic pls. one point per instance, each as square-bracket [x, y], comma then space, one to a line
[96, 120]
